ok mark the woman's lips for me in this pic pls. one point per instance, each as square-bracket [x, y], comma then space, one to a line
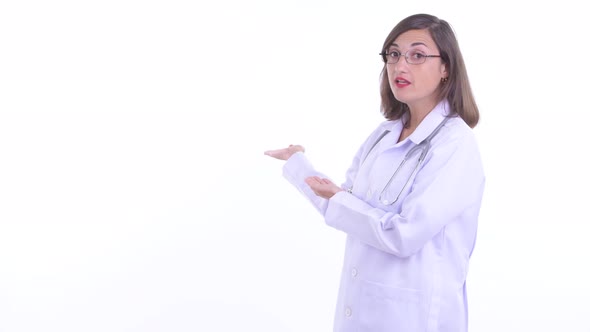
[401, 82]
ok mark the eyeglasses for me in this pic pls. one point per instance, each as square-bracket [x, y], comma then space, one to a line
[413, 57]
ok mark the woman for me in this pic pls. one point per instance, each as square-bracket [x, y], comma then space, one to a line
[411, 225]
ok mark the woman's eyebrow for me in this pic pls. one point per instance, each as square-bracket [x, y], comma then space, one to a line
[413, 44]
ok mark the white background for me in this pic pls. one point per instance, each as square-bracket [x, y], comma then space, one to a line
[135, 196]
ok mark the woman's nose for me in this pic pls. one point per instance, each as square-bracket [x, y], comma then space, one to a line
[401, 65]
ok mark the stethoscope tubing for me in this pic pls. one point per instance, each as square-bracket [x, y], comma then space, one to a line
[425, 147]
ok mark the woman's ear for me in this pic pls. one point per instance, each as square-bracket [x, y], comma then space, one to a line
[443, 71]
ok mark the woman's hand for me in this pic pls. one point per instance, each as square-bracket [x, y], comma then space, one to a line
[286, 153]
[322, 187]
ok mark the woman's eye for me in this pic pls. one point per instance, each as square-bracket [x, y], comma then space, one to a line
[416, 55]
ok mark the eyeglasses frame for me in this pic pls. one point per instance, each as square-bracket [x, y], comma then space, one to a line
[384, 56]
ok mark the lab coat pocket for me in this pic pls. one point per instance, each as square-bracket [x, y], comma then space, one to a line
[386, 308]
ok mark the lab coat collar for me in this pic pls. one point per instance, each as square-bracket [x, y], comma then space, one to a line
[429, 123]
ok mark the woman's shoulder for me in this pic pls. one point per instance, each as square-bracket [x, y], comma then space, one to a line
[458, 133]
[458, 127]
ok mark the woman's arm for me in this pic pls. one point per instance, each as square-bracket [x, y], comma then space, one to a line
[448, 188]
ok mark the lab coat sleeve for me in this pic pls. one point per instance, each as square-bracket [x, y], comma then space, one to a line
[449, 185]
[298, 168]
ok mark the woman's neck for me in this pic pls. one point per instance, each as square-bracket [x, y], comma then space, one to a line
[417, 113]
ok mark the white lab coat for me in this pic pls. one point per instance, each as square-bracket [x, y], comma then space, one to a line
[405, 264]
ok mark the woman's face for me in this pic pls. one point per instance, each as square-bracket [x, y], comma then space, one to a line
[415, 84]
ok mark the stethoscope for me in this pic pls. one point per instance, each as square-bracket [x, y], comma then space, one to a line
[422, 148]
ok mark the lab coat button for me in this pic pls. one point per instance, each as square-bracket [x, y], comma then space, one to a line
[354, 272]
[348, 312]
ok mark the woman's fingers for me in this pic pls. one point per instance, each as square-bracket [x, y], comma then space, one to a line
[282, 154]
[313, 181]
[274, 153]
[286, 153]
